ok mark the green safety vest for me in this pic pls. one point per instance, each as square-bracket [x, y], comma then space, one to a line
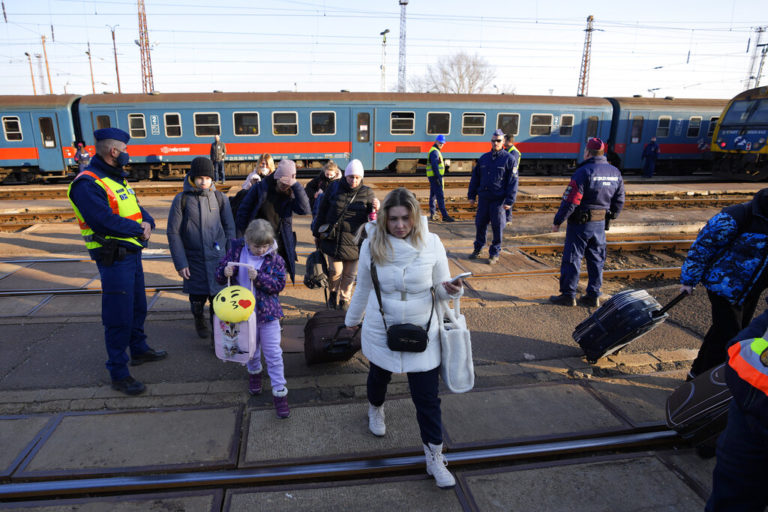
[122, 201]
[513, 149]
[440, 167]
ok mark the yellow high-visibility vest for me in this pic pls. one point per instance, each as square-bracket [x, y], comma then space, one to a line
[749, 359]
[513, 149]
[122, 201]
[440, 166]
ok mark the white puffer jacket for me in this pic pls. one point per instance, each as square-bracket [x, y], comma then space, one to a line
[405, 283]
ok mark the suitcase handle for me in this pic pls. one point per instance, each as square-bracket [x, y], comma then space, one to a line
[669, 306]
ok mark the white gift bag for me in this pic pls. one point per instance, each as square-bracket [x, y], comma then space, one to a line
[457, 368]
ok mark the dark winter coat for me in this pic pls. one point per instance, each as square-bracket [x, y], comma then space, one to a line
[285, 205]
[731, 252]
[344, 246]
[198, 230]
[269, 282]
[319, 182]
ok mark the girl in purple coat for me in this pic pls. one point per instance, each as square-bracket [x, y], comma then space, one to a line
[258, 248]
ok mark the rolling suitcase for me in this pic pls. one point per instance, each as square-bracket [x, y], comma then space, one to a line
[326, 338]
[623, 318]
[698, 409]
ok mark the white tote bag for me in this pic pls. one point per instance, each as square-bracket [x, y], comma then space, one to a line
[457, 368]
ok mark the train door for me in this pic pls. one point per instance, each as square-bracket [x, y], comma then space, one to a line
[47, 141]
[636, 139]
[362, 136]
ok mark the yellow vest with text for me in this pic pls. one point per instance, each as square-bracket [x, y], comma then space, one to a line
[122, 201]
[513, 149]
[441, 165]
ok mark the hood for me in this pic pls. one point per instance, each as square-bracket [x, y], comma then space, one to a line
[189, 186]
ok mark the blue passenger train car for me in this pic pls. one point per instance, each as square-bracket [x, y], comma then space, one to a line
[739, 143]
[683, 129]
[39, 136]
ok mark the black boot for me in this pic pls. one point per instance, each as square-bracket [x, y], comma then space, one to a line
[332, 298]
[201, 324]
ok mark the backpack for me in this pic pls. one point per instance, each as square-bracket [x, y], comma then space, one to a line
[316, 273]
[219, 198]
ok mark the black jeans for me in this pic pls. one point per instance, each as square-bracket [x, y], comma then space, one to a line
[727, 321]
[424, 388]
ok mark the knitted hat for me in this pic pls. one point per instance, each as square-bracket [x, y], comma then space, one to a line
[595, 144]
[354, 168]
[201, 166]
[286, 172]
[112, 133]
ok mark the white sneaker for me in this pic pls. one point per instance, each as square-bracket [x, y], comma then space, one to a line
[436, 466]
[376, 420]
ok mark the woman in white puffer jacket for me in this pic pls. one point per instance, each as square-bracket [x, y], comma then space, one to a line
[410, 262]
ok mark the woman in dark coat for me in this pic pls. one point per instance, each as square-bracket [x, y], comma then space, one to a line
[275, 199]
[199, 224]
[344, 208]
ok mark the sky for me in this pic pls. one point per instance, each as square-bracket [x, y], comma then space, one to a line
[680, 48]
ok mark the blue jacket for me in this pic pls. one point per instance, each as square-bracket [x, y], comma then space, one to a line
[494, 177]
[93, 204]
[651, 150]
[595, 185]
[296, 202]
[731, 252]
[749, 398]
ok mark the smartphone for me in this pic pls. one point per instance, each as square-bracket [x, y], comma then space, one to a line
[460, 276]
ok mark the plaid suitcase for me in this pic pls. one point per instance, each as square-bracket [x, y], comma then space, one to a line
[698, 409]
[620, 320]
[326, 339]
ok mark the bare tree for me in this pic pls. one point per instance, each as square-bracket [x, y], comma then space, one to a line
[458, 74]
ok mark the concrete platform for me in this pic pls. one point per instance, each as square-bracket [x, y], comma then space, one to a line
[18, 436]
[192, 501]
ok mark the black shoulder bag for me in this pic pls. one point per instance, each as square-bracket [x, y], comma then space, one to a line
[403, 337]
[329, 230]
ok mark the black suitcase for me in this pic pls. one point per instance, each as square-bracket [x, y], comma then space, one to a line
[698, 409]
[326, 339]
[621, 319]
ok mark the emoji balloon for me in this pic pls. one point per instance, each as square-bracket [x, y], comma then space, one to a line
[234, 304]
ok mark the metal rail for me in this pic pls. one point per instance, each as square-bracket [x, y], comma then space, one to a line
[657, 435]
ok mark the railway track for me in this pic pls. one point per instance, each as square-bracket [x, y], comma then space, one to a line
[655, 436]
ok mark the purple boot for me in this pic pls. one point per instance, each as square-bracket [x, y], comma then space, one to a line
[254, 383]
[281, 404]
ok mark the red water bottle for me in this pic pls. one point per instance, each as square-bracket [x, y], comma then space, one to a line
[372, 216]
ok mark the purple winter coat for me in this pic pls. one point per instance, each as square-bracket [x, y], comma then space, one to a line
[267, 285]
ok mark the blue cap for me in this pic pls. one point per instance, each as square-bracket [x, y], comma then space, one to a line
[440, 138]
[498, 133]
[112, 133]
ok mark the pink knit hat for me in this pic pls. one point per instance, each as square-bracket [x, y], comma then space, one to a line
[286, 172]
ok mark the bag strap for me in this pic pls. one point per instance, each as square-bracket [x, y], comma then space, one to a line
[375, 279]
[344, 210]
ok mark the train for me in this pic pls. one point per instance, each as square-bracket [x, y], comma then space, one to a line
[739, 141]
[388, 132]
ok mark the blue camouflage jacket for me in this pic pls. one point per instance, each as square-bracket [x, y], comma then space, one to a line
[731, 252]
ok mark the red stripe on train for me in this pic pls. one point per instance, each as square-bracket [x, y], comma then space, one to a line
[241, 148]
[18, 154]
[476, 148]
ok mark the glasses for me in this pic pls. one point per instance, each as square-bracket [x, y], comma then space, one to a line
[497, 140]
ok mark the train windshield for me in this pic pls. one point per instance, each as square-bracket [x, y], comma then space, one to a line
[747, 112]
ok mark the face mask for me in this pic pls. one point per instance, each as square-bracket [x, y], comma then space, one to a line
[264, 171]
[123, 158]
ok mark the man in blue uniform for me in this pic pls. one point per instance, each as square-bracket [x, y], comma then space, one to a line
[116, 228]
[435, 171]
[494, 183]
[509, 145]
[650, 153]
[596, 191]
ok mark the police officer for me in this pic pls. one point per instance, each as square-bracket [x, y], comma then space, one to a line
[435, 171]
[509, 145]
[116, 228]
[596, 190]
[650, 153]
[494, 182]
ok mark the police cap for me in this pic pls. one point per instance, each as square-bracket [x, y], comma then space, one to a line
[112, 133]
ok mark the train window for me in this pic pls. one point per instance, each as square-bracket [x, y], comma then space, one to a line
[207, 124]
[694, 126]
[12, 128]
[285, 123]
[323, 123]
[47, 133]
[592, 124]
[402, 123]
[566, 125]
[508, 123]
[473, 123]
[363, 127]
[637, 129]
[102, 122]
[172, 125]
[246, 123]
[711, 127]
[137, 126]
[541, 124]
[662, 128]
[438, 122]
